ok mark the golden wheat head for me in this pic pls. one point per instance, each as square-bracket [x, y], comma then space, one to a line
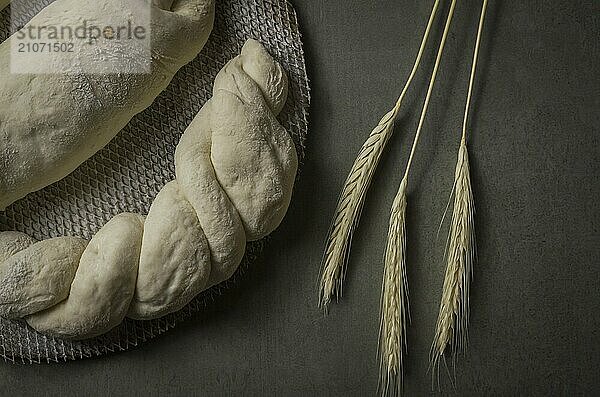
[348, 210]
[352, 198]
[453, 318]
[395, 314]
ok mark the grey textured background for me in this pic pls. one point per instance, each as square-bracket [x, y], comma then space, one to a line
[535, 163]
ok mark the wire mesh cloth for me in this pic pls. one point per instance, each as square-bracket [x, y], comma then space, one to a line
[127, 174]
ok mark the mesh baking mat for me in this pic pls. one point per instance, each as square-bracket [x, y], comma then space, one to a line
[127, 174]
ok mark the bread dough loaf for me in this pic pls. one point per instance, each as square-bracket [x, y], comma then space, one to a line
[51, 123]
[235, 168]
[103, 285]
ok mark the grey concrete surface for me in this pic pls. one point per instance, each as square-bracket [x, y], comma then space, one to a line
[535, 155]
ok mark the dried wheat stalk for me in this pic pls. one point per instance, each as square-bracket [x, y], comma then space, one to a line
[451, 327]
[453, 318]
[394, 294]
[352, 198]
[395, 313]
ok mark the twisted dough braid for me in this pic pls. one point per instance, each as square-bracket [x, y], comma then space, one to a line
[235, 170]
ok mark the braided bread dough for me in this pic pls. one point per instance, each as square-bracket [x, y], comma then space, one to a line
[235, 170]
[51, 123]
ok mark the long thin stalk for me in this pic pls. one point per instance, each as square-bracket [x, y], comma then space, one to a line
[352, 198]
[453, 317]
[394, 294]
[473, 69]
[430, 88]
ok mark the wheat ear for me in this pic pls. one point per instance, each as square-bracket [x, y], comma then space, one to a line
[352, 198]
[451, 327]
[453, 318]
[394, 302]
[394, 292]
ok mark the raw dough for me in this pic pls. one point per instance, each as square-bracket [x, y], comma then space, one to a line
[103, 285]
[235, 168]
[175, 261]
[253, 155]
[13, 242]
[51, 123]
[218, 217]
[39, 277]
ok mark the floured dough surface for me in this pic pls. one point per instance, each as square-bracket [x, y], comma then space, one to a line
[253, 155]
[217, 215]
[175, 263]
[235, 171]
[103, 285]
[50, 123]
[39, 277]
[13, 242]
